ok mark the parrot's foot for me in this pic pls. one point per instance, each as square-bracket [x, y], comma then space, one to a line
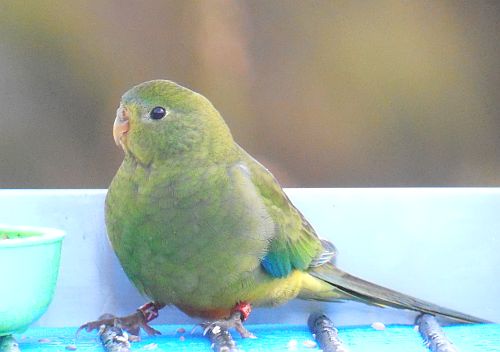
[238, 315]
[131, 323]
[234, 321]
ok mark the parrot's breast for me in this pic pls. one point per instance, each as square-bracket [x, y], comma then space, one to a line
[189, 237]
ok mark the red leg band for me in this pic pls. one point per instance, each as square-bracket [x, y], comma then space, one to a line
[244, 308]
[149, 310]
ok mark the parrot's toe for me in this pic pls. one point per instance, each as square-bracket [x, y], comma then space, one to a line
[105, 320]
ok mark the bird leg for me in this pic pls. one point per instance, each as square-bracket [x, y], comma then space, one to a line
[238, 315]
[131, 323]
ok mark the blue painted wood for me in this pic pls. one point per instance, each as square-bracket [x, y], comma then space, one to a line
[395, 338]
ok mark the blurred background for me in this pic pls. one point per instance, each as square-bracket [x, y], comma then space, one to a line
[324, 93]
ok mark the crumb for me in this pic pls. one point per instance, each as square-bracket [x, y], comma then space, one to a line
[292, 345]
[71, 347]
[309, 344]
[378, 325]
[44, 340]
[182, 338]
[181, 330]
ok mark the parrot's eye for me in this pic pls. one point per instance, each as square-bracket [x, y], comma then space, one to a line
[157, 113]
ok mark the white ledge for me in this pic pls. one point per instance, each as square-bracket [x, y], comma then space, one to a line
[438, 244]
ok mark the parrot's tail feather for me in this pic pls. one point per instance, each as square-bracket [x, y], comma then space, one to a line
[370, 293]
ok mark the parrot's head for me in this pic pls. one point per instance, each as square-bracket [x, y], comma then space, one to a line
[161, 120]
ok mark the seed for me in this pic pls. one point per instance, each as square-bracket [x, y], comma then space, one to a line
[378, 325]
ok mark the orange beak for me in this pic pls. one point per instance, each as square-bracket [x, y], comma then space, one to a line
[121, 125]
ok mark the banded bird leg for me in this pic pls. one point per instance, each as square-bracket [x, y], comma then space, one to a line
[131, 323]
[238, 315]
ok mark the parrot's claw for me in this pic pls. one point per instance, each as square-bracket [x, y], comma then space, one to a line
[234, 321]
[131, 323]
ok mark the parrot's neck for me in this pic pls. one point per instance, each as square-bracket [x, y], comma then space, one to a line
[210, 153]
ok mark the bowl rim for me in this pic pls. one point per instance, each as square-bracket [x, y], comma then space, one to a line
[48, 235]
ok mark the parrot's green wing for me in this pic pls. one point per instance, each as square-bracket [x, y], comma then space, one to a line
[294, 243]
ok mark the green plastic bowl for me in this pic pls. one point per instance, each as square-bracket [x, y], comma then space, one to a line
[29, 264]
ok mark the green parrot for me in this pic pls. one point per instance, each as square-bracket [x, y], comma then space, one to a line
[197, 223]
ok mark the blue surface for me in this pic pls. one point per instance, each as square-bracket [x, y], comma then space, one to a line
[475, 338]
[397, 338]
